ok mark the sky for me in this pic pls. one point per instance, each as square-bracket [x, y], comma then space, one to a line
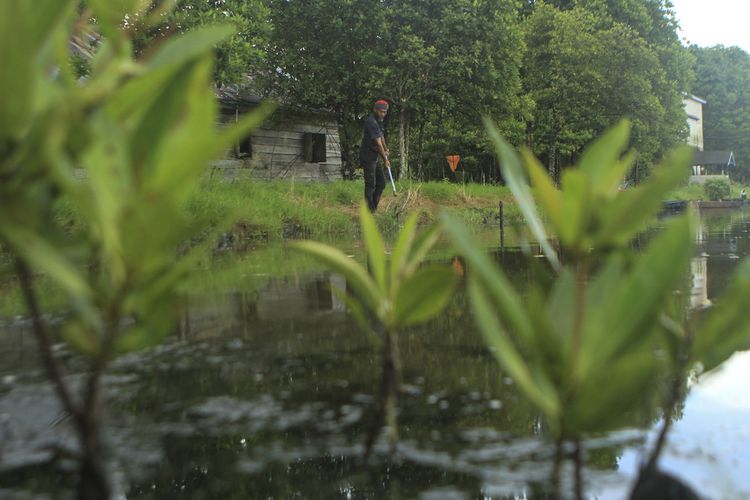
[712, 22]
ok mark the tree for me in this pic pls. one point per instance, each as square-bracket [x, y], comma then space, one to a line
[452, 62]
[328, 56]
[443, 64]
[584, 71]
[723, 80]
[241, 55]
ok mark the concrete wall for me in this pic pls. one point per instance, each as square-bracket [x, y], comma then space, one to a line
[702, 179]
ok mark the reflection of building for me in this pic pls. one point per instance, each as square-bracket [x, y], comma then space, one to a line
[699, 287]
[287, 303]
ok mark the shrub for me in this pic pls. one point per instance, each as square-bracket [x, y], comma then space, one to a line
[717, 189]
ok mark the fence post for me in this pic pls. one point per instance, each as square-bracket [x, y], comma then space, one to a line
[501, 217]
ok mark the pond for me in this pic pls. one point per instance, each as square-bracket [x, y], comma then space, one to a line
[265, 391]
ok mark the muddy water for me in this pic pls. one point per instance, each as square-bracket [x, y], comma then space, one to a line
[266, 388]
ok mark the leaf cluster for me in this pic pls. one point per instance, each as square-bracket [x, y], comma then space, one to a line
[400, 292]
[123, 147]
[583, 350]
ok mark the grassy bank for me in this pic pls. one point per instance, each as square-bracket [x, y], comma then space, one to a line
[274, 210]
[695, 192]
[269, 211]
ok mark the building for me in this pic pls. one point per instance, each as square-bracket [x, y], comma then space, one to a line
[694, 109]
[289, 145]
[706, 165]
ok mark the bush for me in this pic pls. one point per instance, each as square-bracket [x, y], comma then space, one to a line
[717, 189]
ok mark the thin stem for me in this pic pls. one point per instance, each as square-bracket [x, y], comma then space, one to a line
[580, 307]
[391, 381]
[578, 470]
[51, 365]
[557, 464]
[387, 409]
[674, 396]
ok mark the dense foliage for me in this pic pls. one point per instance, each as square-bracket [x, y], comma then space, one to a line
[717, 189]
[140, 133]
[594, 63]
[723, 80]
[581, 346]
[442, 64]
[551, 74]
[241, 55]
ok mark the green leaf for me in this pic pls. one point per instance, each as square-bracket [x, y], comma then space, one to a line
[81, 338]
[424, 294]
[539, 390]
[18, 54]
[198, 42]
[111, 14]
[575, 212]
[233, 133]
[625, 319]
[421, 247]
[631, 210]
[374, 246]
[505, 298]
[726, 328]
[403, 248]
[606, 399]
[152, 327]
[513, 174]
[615, 175]
[340, 263]
[42, 256]
[161, 114]
[560, 307]
[48, 17]
[355, 309]
[547, 194]
[602, 154]
[109, 186]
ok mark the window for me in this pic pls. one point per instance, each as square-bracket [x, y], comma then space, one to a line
[314, 147]
[245, 148]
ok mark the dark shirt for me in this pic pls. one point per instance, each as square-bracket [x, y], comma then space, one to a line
[373, 128]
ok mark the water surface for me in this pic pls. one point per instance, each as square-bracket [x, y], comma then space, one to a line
[265, 391]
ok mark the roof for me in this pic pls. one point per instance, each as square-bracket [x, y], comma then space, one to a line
[236, 94]
[724, 158]
[685, 95]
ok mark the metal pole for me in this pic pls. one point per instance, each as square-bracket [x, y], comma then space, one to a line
[502, 225]
[393, 186]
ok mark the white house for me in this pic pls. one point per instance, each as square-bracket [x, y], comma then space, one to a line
[694, 109]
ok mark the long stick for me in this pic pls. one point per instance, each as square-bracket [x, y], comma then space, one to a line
[393, 186]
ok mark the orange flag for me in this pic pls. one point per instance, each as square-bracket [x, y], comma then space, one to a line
[453, 161]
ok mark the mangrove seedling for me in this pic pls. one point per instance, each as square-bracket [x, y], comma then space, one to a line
[583, 349]
[395, 294]
[125, 147]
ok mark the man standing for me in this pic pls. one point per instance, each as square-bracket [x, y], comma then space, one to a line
[373, 146]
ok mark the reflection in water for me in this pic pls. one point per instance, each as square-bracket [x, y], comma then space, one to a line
[699, 287]
[266, 392]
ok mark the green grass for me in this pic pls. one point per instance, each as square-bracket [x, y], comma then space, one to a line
[695, 192]
[276, 210]
[279, 209]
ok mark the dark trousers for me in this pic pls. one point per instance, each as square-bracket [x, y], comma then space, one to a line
[374, 180]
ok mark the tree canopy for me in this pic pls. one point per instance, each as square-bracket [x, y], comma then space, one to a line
[553, 74]
[590, 65]
[723, 81]
[240, 55]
